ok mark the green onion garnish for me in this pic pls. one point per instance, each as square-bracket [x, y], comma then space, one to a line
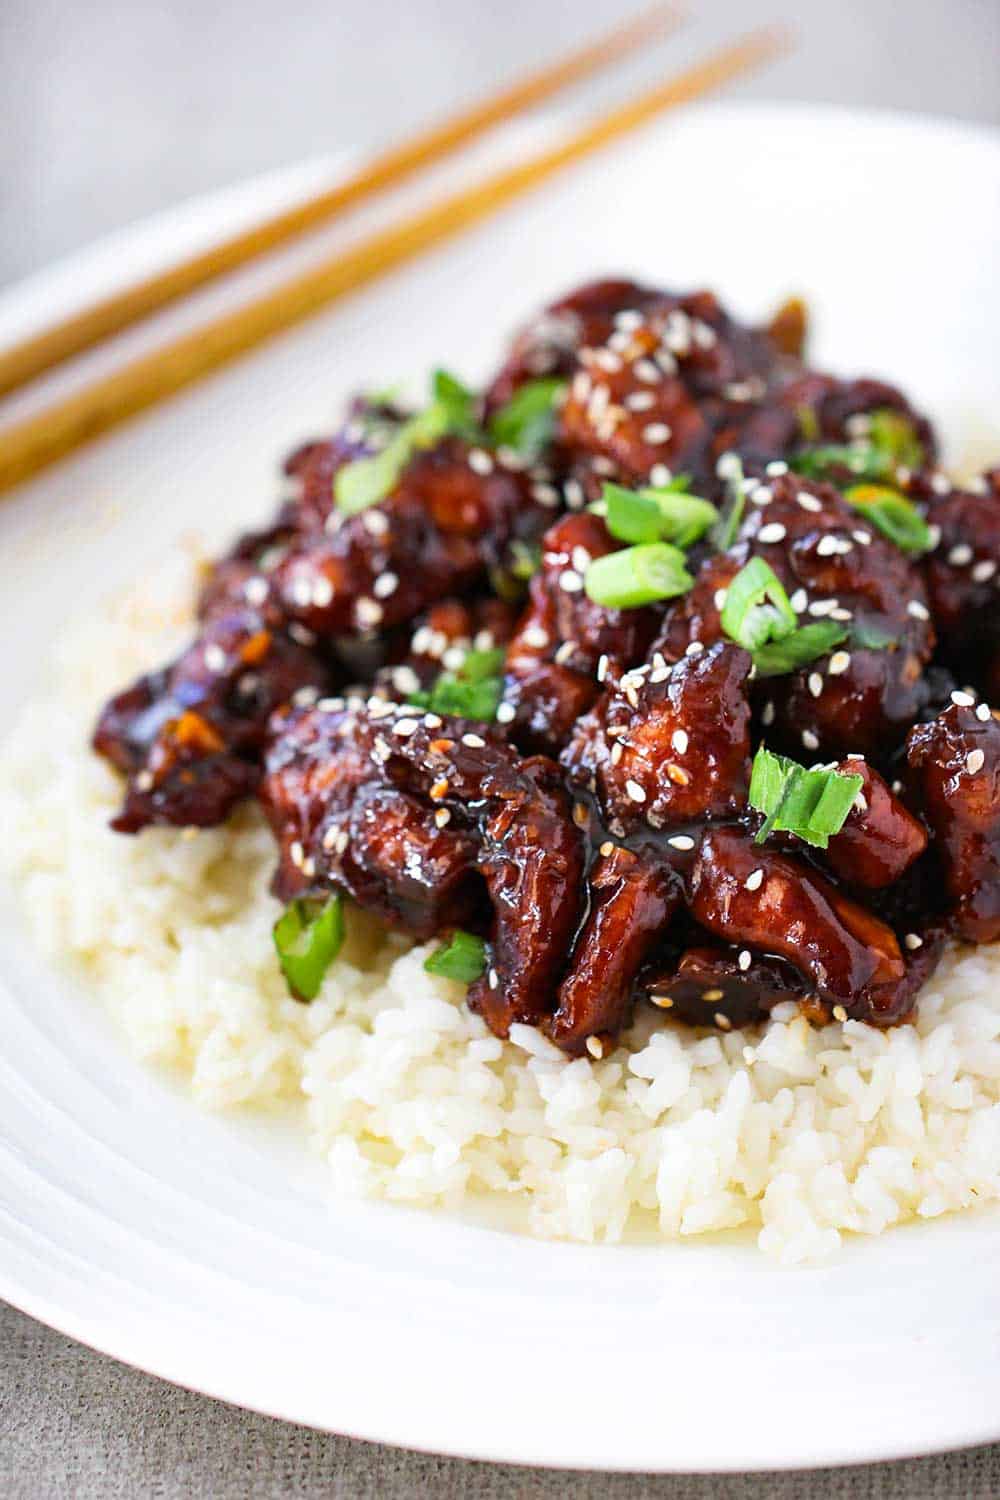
[637, 576]
[811, 804]
[890, 442]
[308, 937]
[664, 514]
[804, 645]
[528, 421]
[462, 958]
[868, 637]
[757, 609]
[728, 524]
[893, 515]
[366, 481]
[471, 691]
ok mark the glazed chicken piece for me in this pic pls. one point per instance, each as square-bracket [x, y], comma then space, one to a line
[668, 746]
[507, 818]
[714, 985]
[450, 519]
[963, 571]
[565, 644]
[880, 838]
[956, 762]
[834, 566]
[631, 902]
[751, 896]
[442, 639]
[831, 410]
[189, 737]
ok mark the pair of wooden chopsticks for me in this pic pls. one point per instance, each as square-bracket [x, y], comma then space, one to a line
[28, 446]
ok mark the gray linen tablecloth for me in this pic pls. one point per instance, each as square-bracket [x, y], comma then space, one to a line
[74, 1423]
[114, 109]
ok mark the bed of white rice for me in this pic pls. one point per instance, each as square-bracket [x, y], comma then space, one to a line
[799, 1135]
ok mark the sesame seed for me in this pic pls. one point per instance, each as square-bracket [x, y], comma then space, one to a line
[255, 590]
[810, 739]
[144, 781]
[545, 494]
[711, 995]
[368, 612]
[913, 941]
[474, 741]
[595, 1047]
[617, 752]
[723, 1022]
[974, 761]
[439, 789]
[821, 607]
[506, 713]
[405, 727]
[602, 668]
[681, 841]
[493, 979]
[808, 502]
[384, 585]
[719, 598]
[962, 700]
[647, 371]
[917, 610]
[839, 662]
[581, 559]
[745, 959]
[640, 401]
[607, 848]
[839, 1014]
[983, 713]
[635, 791]
[535, 636]
[480, 461]
[656, 432]
[679, 740]
[940, 483]
[662, 1002]
[694, 649]
[442, 817]
[776, 468]
[960, 556]
[754, 880]
[863, 537]
[215, 658]
[815, 683]
[607, 360]
[296, 853]
[983, 571]
[375, 522]
[660, 475]
[570, 582]
[772, 532]
[767, 714]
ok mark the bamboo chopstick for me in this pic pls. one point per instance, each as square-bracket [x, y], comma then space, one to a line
[34, 443]
[84, 329]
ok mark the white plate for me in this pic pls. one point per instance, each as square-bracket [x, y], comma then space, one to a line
[210, 1252]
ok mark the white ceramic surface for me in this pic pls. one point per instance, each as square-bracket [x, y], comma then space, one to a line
[210, 1251]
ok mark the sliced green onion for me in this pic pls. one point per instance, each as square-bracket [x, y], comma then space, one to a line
[869, 637]
[728, 524]
[890, 442]
[804, 645]
[893, 515]
[528, 421]
[462, 958]
[525, 559]
[757, 609]
[664, 514]
[472, 691]
[808, 423]
[637, 576]
[366, 481]
[811, 804]
[308, 937]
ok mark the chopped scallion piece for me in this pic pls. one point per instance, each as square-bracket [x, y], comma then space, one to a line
[889, 442]
[757, 609]
[728, 524]
[463, 958]
[811, 804]
[637, 576]
[366, 481]
[869, 637]
[804, 645]
[664, 514]
[893, 515]
[527, 422]
[472, 691]
[894, 436]
[308, 938]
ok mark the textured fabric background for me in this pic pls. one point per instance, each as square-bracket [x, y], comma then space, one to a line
[75, 1424]
[115, 108]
